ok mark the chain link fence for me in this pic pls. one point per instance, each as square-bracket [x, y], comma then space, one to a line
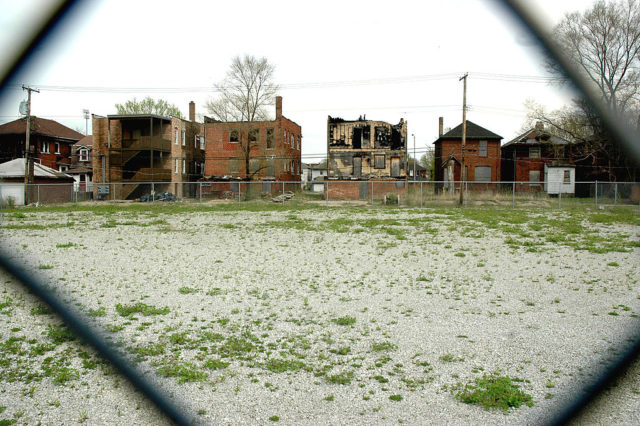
[337, 192]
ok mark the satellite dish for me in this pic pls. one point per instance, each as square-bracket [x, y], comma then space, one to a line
[23, 108]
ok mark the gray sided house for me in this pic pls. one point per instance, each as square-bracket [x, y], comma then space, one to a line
[366, 149]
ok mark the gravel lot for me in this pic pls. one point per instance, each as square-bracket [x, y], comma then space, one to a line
[320, 316]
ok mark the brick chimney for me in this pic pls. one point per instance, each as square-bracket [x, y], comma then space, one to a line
[440, 126]
[278, 107]
[192, 111]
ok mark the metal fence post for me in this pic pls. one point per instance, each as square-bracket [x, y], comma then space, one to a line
[513, 195]
[596, 193]
[420, 194]
[615, 194]
[113, 192]
[200, 191]
[38, 186]
[371, 193]
[326, 196]
[283, 193]
[560, 198]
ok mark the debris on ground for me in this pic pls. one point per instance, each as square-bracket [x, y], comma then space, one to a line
[160, 196]
[288, 195]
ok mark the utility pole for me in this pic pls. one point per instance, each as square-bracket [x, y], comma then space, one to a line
[464, 135]
[28, 154]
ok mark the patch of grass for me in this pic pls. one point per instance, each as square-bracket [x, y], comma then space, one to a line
[43, 266]
[100, 312]
[215, 364]
[494, 392]
[67, 245]
[341, 378]
[187, 290]
[274, 418]
[60, 334]
[396, 398]
[383, 346]
[281, 365]
[450, 358]
[185, 372]
[346, 320]
[140, 308]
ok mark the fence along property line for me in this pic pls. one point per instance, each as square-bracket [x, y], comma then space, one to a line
[412, 193]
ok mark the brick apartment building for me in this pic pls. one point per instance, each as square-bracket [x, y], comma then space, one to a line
[275, 153]
[51, 141]
[137, 149]
[482, 155]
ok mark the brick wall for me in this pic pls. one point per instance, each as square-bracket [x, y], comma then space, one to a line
[221, 153]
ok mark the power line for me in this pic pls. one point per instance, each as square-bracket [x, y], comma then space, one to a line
[532, 79]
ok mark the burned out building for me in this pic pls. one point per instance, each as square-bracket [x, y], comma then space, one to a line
[366, 149]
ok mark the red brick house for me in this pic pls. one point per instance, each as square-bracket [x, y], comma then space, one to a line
[482, 156]
[50, 140]
[535, 158]
[275, 153]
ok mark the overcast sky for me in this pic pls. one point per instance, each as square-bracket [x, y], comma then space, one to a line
[384, 59]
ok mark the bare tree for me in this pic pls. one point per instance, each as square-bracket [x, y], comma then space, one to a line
[149, 105]
[243, 96]
[603, 42]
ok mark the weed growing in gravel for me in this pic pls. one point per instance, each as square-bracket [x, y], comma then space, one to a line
[141, 308]
[346, 320]
[185, 372]
[67, 245]
[494, 392]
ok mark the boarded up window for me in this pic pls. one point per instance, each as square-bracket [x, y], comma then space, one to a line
[270, 139]
[379, 161]
[270, 172]
[395, 166]
[534, 177]
[234, 136]
[534, 152]
[482, 149]
[567, 176]
[357, 166]
[254, 165]
[233, 165]
[254, 134]
[483, 174]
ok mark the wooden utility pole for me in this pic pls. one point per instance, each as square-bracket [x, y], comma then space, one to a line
[28, 154]
[463, 174]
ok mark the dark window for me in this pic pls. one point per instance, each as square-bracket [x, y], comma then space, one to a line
[254, 135]
[567, 176]
[270, 139]
[366, 136]
[356, 138]
[379, 161]
[234, 136]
